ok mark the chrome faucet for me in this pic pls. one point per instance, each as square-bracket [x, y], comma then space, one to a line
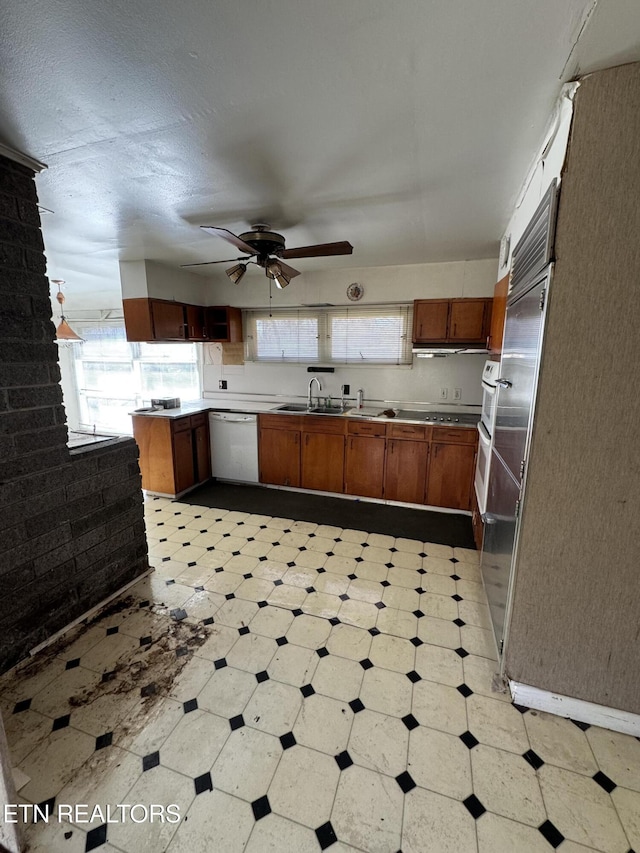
[311, 381]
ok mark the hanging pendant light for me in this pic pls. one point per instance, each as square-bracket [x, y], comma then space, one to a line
[64, 332]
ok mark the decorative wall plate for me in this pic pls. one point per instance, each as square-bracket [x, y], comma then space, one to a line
[355, 291]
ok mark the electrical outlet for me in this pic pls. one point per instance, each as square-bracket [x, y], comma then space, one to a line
[457, 393]
[444, 393]
[222, 384]
[347, 390]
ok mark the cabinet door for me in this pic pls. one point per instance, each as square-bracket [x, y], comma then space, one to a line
[224, 323]
[183, 460]
[406, 470]
[201, 453]
[364, 466]
[451, 475]
[279, 454]
[468, 320]
[322, 462]
[430, 320]
[195, 322]
[168, 321]
[498, 312]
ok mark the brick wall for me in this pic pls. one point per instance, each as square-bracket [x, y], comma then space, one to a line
[71, 522]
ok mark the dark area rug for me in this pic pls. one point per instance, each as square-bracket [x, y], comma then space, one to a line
[427, 526]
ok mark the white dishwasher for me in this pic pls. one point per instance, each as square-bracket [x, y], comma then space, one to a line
[234, 446]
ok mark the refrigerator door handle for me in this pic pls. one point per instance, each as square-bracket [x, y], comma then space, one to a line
[504, 383]
[488, 518]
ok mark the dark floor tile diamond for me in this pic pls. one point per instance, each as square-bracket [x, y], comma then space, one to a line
[278, 582]
[465, 690]
[352, 577]
[61, 722]
[282, 641]
[322, 652]
[418, 613]
[414, 676]
[178, 614]
[23, 705]
[552, 835]
[356, 706]
[144, 641]
[581, 725]
[393, 550]
[321, 571]
[149, 690]
[533, 759]
[359, 560]
[236, 722]
[459, 623]
[229, 596]
[262, 676]
[374, 631]
[263, 527]
[343, 597]
[455, 577]
[191, 564]
[181, 651]
[329, 553]
[263, 603]
[261, 807]
[463, 653]
[297, 612]
[406, 782]
[190, 705]
[288, 740]
[365, 544]
[410, 722]
[417, 641]
[522, 708]
[291, 564]
[608, 784]
[422, 554]
[72, 664]
[166, 559]
[453, 560]
[334, 621]
[186, 544]
[108, 676]
[380, 605]
[421, 571]
[96, 837]
[307, 690]
[169, 582]
[105, 740]
[310, 589]
[112, 630]
[208, 620]
[203, 783]
[385, 583]
[366, 663]
[248, 576]
[389, 565]
[242, 631]
[469, 740]
[456, 597]
[262, 559]
[474, 806]
[220, 663]
[344, 760]
[150, 761]
[420, 590]
[45, 808]
[326, 835]
[302, 548]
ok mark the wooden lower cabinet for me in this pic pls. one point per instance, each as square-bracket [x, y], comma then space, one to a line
[451, 469]
[364, 466]
[279, 454]
[174, 453]
[322, 462]
[406, 470]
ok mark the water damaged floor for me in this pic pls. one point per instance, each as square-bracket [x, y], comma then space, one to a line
[281, 685]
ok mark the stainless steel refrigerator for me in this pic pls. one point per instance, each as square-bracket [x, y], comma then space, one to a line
[515, 403]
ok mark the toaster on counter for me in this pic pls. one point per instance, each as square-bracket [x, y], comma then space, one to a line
[166, 402]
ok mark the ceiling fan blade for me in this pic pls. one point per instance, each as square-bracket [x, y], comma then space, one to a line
[318, 251]
[287, 269]
[206, 263]
[230, 238]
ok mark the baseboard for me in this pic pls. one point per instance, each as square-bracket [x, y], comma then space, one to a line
[575, 709]
[89, 613]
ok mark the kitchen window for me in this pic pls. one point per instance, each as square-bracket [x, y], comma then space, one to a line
[111, 376]
[374, 334]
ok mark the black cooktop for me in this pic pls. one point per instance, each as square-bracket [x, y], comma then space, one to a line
[464, 418]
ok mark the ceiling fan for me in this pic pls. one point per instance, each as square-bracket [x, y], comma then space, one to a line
[267, 249]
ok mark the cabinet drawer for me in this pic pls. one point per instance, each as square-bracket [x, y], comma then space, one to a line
[454, 436]
[366, 428]
[280, 422]
[330, 426]
[198, 420]
[180, 424]
[413, 431]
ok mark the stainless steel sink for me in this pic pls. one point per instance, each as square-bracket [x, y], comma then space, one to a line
[293, 407]
[326, 410]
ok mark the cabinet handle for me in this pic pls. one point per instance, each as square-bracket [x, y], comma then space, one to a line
[420, 332]
[297, 438]
[306, 439]
[392, 443]
[455, 329]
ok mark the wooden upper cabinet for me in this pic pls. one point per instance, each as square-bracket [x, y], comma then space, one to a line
[430, 320]
[224, 324]
[165, 320]
[498, 315]
[440, 321]
[195, 322]
[168, 321]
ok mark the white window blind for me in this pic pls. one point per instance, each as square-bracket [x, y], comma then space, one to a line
[374, 334]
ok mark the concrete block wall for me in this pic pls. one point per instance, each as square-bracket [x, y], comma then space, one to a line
[71, 521]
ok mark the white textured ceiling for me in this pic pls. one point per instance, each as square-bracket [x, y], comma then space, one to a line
[404, 127]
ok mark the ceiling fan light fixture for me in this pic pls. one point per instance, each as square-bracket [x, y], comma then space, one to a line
[236, 273]
[274, 270]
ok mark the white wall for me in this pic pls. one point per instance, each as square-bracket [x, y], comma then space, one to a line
[150, 278]
[419, 383]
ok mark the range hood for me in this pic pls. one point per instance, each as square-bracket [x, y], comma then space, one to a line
[434, 351]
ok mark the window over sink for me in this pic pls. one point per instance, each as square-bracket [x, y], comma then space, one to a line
[372, 334]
